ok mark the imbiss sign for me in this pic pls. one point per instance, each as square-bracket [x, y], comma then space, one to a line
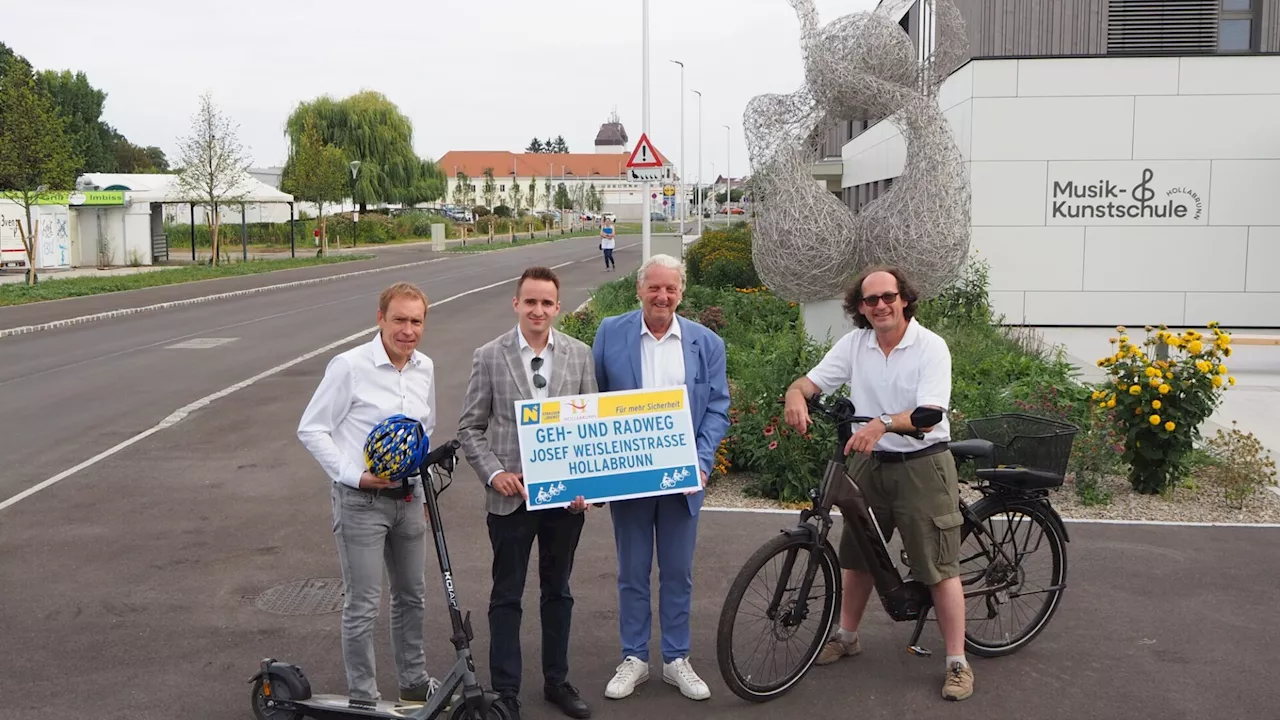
[1128, 193]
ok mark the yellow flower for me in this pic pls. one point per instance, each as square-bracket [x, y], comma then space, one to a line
[1203, 366]
[1124, 338]
[1097, 395]
[1135, 390]
[1227, 351]
[1156, 404]
[1164, 389]
[1195, 347]
[1222, 369]
[1231, 380]
[1217, 381]
[1111, 401]
[1155, 419]
[1151, 372]
[1169, 426]
[1169, 374]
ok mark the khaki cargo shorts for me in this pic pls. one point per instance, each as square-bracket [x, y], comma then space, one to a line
[920, 497]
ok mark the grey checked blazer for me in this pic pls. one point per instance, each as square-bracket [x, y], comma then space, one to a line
[487, 427]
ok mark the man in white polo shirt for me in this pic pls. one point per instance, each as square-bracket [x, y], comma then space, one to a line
[893, 365]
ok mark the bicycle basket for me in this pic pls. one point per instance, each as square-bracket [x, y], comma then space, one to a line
[1027, 441]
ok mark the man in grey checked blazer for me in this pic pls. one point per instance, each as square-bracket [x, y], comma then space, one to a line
[530, 361]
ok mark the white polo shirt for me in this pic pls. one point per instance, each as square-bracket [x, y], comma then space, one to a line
[916, 372]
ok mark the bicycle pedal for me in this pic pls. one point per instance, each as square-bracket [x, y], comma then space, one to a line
[920, 651]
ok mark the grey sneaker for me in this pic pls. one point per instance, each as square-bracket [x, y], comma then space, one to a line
[420, 693]
[836, 649]
[959, 682]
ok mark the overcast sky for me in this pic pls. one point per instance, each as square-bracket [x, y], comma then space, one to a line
[473, 75]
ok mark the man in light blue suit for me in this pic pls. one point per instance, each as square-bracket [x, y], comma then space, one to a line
[649, 348]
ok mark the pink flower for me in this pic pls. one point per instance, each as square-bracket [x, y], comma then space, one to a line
[768, 430]
[773, 445]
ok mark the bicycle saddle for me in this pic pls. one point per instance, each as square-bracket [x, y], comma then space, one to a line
[969, 449]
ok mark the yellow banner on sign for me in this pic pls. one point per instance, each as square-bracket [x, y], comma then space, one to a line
[664, 401]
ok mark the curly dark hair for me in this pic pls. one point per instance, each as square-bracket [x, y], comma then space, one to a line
[853, 296]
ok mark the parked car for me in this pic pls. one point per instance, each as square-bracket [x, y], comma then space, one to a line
[611, 217]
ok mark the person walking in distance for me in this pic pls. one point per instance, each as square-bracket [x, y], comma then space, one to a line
[652, 348]
[376, 522]
[530, 361]
[607, 244]
[893, 365]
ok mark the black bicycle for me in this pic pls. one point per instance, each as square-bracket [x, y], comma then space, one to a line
[1017, 459]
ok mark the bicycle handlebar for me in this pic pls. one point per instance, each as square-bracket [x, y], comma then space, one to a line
[842, 411]
[443, 456]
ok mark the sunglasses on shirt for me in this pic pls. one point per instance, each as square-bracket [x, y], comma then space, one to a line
[538, 381]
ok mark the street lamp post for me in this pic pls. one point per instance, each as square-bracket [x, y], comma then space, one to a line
[355, 213]
[728, 178]
[701, 199]
[681, 205]
[646, 227]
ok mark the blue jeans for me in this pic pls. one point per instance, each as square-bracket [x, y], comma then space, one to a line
[608, 257]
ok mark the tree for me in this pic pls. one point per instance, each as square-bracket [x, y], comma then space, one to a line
[317, 174]
[489, 189]
[735, 194]
[595, 201]
[563, 202]
[370, 128]
[535, 146]
[547, 191]
[79, 104]
[561, 146]
[462, 189]
[214, 167]
[515, 195]
[533, 193]
[133, 159]
[35, 153]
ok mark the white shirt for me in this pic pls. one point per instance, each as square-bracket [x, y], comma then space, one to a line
[916, 372]
[661, 361]
[361, 388]
[526, 357]
[607, 241]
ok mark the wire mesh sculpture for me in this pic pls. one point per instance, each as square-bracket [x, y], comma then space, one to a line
[807, 244]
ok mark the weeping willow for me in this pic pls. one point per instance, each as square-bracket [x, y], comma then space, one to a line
[370, 128]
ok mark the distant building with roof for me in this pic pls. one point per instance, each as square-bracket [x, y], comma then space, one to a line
[605, 169]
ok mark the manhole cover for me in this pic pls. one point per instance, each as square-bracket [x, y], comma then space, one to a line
[313, 596]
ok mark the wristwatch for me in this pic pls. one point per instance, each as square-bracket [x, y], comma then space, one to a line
[887, 419]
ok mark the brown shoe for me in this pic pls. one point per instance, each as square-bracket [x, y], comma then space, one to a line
[836, 649]
[959, 683]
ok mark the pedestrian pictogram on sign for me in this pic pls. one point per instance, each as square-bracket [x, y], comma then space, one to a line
[645, 155]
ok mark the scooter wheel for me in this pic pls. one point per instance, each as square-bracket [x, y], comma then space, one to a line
[263, 711]
[492, 710]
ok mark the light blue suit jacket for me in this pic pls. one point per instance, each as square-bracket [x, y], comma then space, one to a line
[617, 359]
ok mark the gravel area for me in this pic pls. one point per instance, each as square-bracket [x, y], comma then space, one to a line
[1184, 504]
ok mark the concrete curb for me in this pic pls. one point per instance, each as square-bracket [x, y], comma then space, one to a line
[25, 329]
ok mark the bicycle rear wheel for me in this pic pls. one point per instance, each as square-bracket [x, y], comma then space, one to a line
[1021, 560]
[768, 589]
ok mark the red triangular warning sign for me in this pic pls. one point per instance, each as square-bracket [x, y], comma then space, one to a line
[645, 155]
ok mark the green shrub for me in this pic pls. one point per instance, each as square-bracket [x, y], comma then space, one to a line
[722, 259]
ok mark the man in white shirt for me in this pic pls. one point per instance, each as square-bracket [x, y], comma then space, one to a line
[532, 360]
[648, 348]
[892, 366]
[373, 518]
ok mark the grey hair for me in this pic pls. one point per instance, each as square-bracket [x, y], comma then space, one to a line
[666, 261]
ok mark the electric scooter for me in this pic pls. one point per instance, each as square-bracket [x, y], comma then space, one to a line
[281, 691]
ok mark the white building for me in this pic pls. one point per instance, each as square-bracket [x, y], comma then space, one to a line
[1108, 190]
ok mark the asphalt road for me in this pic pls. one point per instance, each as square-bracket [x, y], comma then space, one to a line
[127, 590]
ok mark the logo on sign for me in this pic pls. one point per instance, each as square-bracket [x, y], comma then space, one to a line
[531, 415]
[1105, 199]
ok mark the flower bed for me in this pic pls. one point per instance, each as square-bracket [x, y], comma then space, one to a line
[1122, 465]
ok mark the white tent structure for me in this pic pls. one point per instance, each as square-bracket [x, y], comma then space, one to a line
[134, 233]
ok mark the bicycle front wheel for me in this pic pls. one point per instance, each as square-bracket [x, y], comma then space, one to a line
[769, 636]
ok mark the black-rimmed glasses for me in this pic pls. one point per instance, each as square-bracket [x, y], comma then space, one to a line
[889, 298]
[538, 381]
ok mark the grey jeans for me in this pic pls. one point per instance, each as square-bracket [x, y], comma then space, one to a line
[370, 532]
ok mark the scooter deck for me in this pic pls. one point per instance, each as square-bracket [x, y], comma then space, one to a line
[342, 704]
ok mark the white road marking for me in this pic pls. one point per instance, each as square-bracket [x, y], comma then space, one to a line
[1082, 521]
[181, 413]
[202, 299]
[200, 343]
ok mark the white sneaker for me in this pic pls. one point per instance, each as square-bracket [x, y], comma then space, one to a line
[630, 673]
[680, 673]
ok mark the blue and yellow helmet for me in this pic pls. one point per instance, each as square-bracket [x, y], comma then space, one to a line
[395, 448]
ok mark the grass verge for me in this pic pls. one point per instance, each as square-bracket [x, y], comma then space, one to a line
[58, 289]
